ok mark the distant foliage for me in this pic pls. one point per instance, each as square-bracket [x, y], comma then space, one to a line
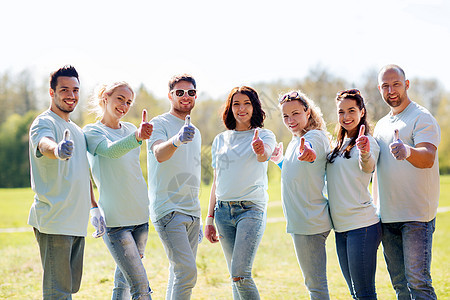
[20, 98]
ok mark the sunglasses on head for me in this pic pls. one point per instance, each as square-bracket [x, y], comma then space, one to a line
[181, 93]
[349, 92]
[293, 96]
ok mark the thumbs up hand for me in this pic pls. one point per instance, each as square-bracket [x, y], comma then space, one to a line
[399, 150]
[306, 152]
[277, 154]
[362, 142]
[145, 129]
[186, 133]
[257, 144]
[64, 149]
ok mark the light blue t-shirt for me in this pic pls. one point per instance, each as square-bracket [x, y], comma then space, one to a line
[122, 188]
[302, 186]
[174, 184]
[350, 201]
[62, 200]
[240, 177]
[407, 193]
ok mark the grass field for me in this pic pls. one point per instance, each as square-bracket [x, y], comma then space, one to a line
[276, 270]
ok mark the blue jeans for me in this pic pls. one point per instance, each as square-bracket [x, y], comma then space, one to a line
[240, 225]
[407, 251]
[127, 246]
[357, 253]
[312, 258]
[62, 262]
[179, 234]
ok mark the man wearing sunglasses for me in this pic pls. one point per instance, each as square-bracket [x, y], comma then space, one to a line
[174, 183]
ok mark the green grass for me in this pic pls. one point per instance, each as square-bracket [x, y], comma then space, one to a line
[276, 270]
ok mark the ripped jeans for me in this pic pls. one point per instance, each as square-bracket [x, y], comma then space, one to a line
[241, 225]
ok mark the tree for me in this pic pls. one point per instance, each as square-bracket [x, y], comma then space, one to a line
[14, 161]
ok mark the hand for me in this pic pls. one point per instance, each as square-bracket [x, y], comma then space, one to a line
[64, 149]
[306, 153]
[277, 154]
[257, 144]
[98, 222]
[186, 133]
[362, 142]
[145, 129]
[210, 230]
[399, 150]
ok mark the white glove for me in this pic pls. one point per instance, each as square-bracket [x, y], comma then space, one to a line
[186, 133]
[65, 148]
[98, 222]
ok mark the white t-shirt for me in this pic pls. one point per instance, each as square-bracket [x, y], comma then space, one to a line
[240, 177]
[174, 184]
[407, 193]
[122, 188]
[62, 200]
[350, 201]
[302, 187]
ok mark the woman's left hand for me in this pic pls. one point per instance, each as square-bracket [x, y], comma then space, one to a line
[257, 144]
[145, 129]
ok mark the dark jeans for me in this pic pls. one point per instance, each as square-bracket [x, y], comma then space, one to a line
[357, 253]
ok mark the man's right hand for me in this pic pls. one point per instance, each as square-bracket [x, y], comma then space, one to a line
[186, 133]
[64, 149]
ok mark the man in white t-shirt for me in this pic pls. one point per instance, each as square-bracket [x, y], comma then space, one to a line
[60, 180]
[174, 154]
[408, 186]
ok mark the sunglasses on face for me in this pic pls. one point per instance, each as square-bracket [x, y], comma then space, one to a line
[181, 93]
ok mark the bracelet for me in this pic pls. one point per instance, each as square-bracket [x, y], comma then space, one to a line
[209, 221]
[210, 216]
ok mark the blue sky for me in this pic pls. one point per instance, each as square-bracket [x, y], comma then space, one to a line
[224, 44]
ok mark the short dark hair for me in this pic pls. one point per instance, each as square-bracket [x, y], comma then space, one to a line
[258, 116]
[181, 77]
[66, 71]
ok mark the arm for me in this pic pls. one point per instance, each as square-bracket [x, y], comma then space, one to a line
[422, 155]
[118, 148]
[163, 150]
[93, 202]
[210, 229]
[47, 147]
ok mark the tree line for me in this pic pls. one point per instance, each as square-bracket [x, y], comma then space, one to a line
[22, 100]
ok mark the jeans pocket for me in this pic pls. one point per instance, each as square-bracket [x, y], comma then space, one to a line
[166, 219]
[113, 230]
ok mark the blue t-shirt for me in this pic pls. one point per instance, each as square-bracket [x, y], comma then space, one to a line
[302, 186]
[62, 188]
[239, 175]
[122, 188]
[407, 193]
[350, 201]
[174, 184]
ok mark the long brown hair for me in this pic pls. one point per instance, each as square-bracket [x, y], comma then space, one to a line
[353, 94]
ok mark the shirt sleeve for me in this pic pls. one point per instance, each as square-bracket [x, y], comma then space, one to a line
[159, 133]
[41, 128]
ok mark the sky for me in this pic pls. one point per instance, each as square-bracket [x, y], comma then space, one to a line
[224, 44]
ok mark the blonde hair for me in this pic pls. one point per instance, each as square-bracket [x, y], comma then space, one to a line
[96, 103]
[315, 120]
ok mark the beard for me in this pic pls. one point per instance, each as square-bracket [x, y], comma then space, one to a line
[59, 106]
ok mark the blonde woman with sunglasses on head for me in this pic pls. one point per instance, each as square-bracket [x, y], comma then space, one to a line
[302, 184]
[349, 170]
[113, 147]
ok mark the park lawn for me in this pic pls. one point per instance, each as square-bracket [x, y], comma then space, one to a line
[275, 271]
